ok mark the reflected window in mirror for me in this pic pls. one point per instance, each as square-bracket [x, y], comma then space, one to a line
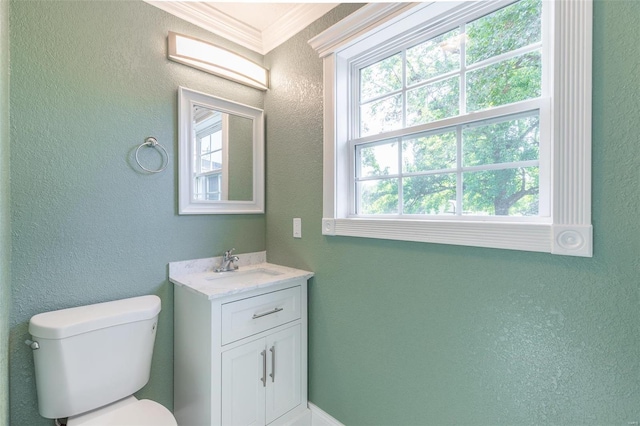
[210, 154]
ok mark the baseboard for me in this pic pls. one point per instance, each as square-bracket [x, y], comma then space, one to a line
[301, 416]
[307, 416]
[321, 418]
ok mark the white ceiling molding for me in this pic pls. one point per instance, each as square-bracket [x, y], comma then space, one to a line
[358, 23]
[297, 19]
[206, 16]
[209, 18]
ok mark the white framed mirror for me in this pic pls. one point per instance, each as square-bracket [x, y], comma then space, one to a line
[221, 155]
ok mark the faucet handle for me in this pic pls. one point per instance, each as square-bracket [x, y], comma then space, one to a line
[228, 252]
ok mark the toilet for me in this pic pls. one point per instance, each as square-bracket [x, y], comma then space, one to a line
[90, 360]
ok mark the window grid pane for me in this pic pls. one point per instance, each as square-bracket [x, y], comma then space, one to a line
[430, 194]
[433, 102]
[522, 76]
[378, 159]
[210, 153]
[207, 187]
[505, 192]
[433, 57]
[379, 196]
[381, 115]
[381, 78]
[505, 141]
[431, 152]
[516, 26]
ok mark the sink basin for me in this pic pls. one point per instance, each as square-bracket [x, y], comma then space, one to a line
[235, 277]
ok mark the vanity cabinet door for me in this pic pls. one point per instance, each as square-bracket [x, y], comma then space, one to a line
[283, 382]
[261, 380]
[243, 384]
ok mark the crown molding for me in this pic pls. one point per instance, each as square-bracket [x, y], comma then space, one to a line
[207, 17]
[355, 25]
[292, 22]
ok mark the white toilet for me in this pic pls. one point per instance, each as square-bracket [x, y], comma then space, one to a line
[91, 359]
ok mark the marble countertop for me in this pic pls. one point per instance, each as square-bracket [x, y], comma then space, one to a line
[253, 273]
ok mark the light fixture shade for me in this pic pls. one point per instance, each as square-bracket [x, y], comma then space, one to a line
[216, 60]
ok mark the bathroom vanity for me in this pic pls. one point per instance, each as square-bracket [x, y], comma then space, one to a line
[240, 343]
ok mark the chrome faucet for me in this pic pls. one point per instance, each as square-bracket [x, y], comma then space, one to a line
[227, 262]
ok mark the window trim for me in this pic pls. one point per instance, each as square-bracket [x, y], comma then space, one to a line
[569, 230]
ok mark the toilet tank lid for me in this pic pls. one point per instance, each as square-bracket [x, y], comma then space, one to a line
[72, 321]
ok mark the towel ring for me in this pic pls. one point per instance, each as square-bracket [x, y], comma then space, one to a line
[153, 142]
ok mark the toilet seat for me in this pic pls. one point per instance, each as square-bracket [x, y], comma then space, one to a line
[127, 412]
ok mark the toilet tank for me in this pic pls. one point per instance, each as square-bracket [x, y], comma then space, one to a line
[93, 355]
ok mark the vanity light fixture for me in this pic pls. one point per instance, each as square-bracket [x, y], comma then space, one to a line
[216, 60]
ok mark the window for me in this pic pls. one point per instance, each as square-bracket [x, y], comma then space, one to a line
[460, 122]
[209, 172]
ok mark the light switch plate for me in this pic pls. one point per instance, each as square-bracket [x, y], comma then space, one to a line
[297, 227]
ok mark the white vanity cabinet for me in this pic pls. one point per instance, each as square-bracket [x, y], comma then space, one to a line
[240, 357]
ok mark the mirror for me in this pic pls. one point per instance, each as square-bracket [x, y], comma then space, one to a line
[221, 155]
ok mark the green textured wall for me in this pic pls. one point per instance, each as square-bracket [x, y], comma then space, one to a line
[240, 158]
[5, 227]
[410, 333]
[90, 80]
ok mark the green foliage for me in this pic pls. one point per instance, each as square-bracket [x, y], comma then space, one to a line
[381, 78]
[501, 192]
[506, 82]
[506, 141]
[431, 152]
[433, 102]
[381, 115]
[429, 179]
[429, 194]
[434, 57]
[379, 196]
[504, 30]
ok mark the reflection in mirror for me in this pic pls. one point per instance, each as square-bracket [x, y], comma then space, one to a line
[210, 145]
[221, 156]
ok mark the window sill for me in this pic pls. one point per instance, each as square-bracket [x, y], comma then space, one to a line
[539, 237]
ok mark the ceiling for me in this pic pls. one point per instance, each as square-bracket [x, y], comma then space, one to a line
[257, 15]
[257, 26]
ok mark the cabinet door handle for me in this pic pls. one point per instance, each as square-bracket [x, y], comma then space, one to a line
[273, 363]
[264, 368]
[276, 310]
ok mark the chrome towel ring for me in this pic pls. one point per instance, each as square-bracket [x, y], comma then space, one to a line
[153, 142]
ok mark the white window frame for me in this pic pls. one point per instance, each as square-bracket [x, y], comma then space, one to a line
[567, 230]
